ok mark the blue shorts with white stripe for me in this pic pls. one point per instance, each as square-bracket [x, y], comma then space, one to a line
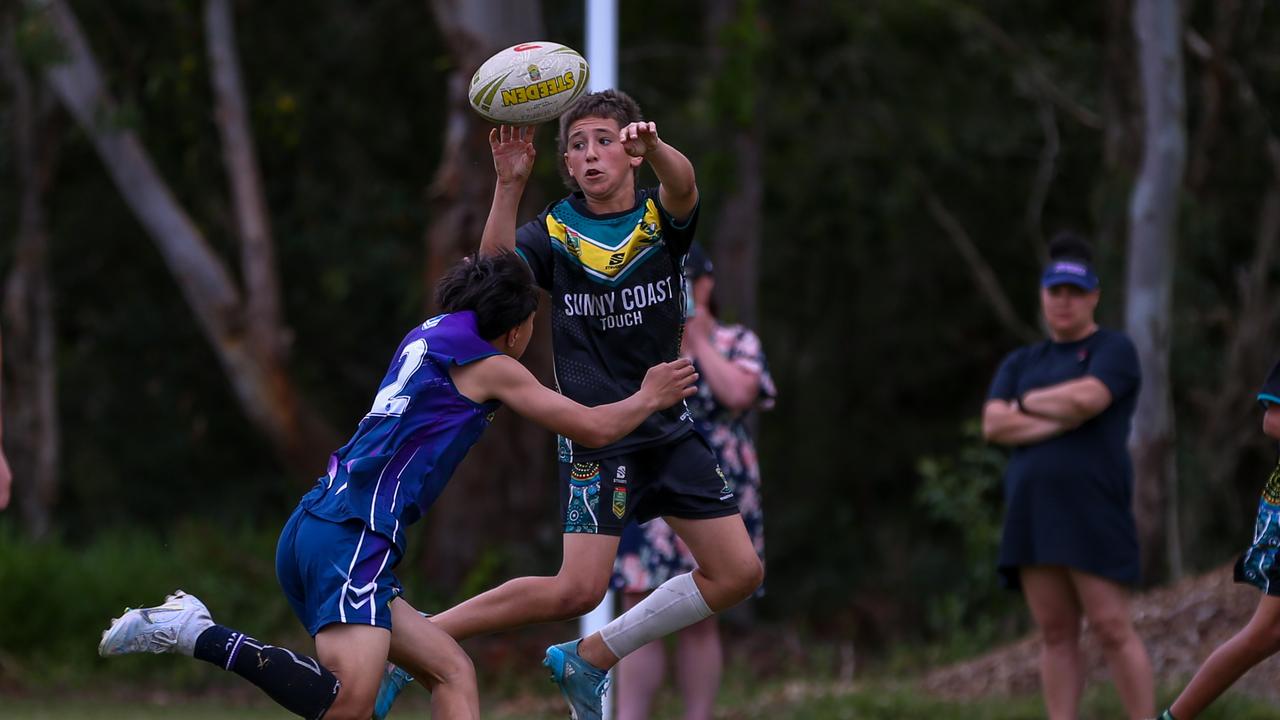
[336, 572]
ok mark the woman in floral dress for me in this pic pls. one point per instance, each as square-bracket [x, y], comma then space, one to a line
[734, 381]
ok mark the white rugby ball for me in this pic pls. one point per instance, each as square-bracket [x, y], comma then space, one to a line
[529, 83]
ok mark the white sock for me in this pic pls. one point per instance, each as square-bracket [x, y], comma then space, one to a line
[676, 604]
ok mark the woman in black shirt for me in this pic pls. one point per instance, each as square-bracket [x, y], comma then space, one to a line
[1069, 541]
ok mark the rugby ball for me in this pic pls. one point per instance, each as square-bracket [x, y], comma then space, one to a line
[529, 83]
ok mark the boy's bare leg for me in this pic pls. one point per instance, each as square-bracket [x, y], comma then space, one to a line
[435, 660]
[728, 568]
[1255, 642]
[728, 572]
[356, 654]
[573, 592]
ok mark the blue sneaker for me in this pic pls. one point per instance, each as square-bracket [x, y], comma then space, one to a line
[392, 683]
[582, 684]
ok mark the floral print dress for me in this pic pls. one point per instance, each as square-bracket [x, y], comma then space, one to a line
[650, 554]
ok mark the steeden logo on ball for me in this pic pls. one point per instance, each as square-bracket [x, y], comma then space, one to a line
[528, 83]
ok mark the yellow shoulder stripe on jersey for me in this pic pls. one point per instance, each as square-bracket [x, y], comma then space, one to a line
[605, 257]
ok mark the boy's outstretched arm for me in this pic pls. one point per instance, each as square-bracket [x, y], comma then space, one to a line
[505, 379]
[677, 184]
[513, 156]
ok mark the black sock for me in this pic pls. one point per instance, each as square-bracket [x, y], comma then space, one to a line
[298, 683]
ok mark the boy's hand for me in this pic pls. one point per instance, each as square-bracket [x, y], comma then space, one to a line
[513, 152]
[639, 138]
[671, 382]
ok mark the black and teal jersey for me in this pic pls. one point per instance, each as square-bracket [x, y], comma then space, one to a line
[617, 304]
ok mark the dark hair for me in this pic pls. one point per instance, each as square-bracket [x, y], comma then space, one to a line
[607, 104]
[1067, 245]
[498, 288]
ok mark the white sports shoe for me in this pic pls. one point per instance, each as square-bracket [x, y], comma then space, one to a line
[171, 627]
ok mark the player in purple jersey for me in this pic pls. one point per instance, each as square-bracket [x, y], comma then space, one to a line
[338, 549]
[611, 254]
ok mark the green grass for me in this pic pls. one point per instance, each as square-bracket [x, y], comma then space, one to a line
[49, 669]
[777, 701]
[86, 710]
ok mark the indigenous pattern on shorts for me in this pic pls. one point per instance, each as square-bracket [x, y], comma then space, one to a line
[656, 554]
[1258, 566]
[582, 514]
[1271, 491]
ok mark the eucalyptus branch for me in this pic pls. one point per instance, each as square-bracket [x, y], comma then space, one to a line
[983, 275]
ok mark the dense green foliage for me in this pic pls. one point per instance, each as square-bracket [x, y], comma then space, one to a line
[66, 596]
[880, 506]
[962, 494]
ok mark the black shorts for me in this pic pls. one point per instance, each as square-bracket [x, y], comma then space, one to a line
[679, 479]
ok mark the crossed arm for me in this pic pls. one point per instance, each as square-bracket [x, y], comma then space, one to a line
[733, 386]
[1044, 412]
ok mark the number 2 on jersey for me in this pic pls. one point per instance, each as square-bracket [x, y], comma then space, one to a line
[389, 401]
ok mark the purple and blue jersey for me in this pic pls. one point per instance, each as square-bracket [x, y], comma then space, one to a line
[418, 430]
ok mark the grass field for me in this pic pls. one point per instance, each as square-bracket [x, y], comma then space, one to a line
[776, 702]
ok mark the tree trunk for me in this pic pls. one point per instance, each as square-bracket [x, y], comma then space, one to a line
[30, 401]
[255, 370]
[1121, 141]
[257, 249]
[510, 474]
[307, 437]
[1149, 298]
[735, 235]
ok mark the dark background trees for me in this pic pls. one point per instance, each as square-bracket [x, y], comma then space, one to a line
[878, 180]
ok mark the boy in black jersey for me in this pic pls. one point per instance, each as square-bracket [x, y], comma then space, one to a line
[610, 254]
[1257, 566]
